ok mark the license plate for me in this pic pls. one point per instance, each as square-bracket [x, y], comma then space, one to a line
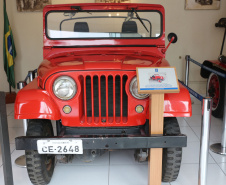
[60, 146]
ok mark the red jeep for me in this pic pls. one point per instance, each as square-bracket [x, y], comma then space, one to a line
[87, 83]
[157, 77]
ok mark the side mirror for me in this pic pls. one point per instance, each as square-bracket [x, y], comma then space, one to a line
[174, 40]
[170, 36]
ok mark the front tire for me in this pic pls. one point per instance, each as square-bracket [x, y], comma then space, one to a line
[171, 159]
[215, 89]
[40, 167]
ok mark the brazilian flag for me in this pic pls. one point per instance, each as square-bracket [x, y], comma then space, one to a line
[9, 51]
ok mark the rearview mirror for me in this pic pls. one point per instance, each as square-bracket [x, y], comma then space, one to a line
[170, 36]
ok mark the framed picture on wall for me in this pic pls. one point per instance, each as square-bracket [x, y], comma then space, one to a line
[112, 1]
[31, 5]
[202, 4]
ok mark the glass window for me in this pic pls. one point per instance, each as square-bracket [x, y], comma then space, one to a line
[74, 25]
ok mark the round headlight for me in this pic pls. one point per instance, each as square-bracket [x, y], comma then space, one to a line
[64, 88]
[134, 89]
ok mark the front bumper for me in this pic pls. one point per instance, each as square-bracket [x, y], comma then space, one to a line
[110, 141]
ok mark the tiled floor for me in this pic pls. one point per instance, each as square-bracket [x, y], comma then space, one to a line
[119, 167]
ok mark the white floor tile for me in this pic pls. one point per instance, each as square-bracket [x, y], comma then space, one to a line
[215, 133]
[123, 157]
[195, 101]
[194, 121]
[10, 109]
[223, 167]
[182, 122]
[191, 154]
[20, 176]
[1, 176]
[82, 175]
[196, 109]
[191, 137]
[129, 174]
[189, 175]
[16, 123]
[216, 121]
[15, 132]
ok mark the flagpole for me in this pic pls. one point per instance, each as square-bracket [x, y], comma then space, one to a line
[10, 90]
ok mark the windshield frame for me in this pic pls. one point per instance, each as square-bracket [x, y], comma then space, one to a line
[103, 38]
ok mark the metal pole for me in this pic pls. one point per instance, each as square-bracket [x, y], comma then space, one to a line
[204, 143]
[222, 47]
[220, 148]
[31, 75]
[21, 84]
[4, 140]
[25, 126]
[187, 57]
[223, 140]
[21, 161]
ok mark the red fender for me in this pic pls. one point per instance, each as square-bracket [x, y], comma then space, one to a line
[31, 97]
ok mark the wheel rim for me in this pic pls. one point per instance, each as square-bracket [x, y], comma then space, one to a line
[214, 90]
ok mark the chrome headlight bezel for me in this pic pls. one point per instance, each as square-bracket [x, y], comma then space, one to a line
[133, 83]
[72, 89]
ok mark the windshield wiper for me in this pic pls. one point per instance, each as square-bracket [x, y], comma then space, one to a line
[138, 17]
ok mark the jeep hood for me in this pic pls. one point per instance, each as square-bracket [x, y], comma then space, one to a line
[98, 62]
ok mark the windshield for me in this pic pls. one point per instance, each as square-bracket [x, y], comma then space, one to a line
[94, 24]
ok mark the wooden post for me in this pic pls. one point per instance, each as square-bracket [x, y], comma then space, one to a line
[156, 81]
[156, 104]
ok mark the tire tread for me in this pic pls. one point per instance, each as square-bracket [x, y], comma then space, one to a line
[171, 156]
[36, 168]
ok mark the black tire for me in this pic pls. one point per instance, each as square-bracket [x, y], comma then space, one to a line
[171, 159]
[216, 93]
[40, 167]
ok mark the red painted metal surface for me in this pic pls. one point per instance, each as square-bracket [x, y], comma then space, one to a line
[33, 102]
[37, 99]
[218, 64]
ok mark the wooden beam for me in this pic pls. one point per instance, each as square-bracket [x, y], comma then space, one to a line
[156, 109]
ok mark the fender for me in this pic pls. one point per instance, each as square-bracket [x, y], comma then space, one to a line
[35, 103]
[178, 104]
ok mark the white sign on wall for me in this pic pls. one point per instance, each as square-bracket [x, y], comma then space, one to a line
[153, 80]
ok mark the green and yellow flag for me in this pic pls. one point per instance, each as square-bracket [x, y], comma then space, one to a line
[9, 51]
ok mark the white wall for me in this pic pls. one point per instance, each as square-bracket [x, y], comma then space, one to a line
[197, 36]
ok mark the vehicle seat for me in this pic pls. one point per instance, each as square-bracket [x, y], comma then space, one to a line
[129, 27]
[81, 27]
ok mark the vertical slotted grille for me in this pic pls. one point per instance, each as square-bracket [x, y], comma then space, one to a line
[105, 98]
